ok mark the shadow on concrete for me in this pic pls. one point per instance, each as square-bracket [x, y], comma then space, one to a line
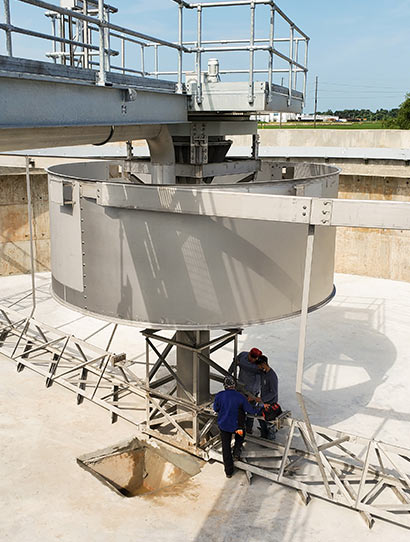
[347, 358]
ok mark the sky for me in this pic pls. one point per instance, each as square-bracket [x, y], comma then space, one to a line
[359, 49]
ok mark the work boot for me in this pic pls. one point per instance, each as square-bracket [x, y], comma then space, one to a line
[264, 434]
[271, 434]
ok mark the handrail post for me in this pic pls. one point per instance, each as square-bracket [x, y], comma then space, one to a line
[62, 35]
[123, 55]
[180, 39]
[156, 64]
[291, 38]
[54, 31]
[305, 70]
[86, 37]
[251, 55]
[295, 73]
[143, 60]
[271, 42]
[101, 16]
[107, 47]
[198, 56]
[7, 18]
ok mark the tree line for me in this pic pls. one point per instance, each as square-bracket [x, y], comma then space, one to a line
[398, 117]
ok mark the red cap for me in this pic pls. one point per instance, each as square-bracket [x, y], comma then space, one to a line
[255, 352]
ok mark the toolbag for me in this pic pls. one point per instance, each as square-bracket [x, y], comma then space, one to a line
[272, 412]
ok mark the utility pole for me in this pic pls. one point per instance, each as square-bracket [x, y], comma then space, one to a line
[314, 117]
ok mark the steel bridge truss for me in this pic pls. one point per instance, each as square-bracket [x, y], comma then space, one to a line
[92, 373]
[365, 475]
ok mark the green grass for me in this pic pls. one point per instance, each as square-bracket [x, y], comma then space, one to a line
[365, 125]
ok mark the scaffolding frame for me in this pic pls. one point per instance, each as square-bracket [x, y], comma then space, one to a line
[193, 423]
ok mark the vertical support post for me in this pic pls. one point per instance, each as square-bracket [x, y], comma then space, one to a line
[101, 27]
[70, 37]
[305, 306]
[53, 29]
[7, 19]
[295, 73]
[271, 43]
[198, 56]
[195, 388]
[305, 72]
[143, 60]
[291, 38]
[147, 401]
[107, 48]
[123, 55]
[62, 35]
[235, 356]
[301, 353]
[30, 222]
[180, 40]
[86, 39]
[156, 65]
[251, 55]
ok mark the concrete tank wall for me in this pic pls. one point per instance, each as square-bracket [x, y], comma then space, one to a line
[374, 252]
[14, 228]
[390, 139]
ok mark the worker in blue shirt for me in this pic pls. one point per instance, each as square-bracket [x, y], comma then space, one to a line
[249, 378]
[230, 406]
[269, 393]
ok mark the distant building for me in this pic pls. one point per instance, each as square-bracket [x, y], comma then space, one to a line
[295, 117]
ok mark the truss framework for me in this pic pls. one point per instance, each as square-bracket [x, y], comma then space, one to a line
[192, 424]
[365, 475]
[92, 373]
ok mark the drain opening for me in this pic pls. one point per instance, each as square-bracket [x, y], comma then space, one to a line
[138, 468]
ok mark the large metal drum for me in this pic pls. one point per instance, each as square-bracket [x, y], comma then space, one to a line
[114, 256]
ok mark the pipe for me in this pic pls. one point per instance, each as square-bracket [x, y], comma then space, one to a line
[15, 139]
[30, 221]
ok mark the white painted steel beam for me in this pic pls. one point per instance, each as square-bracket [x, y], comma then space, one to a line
[365, 214]
[221, 203]
[204, 202]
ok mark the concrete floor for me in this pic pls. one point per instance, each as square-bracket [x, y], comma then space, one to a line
[357, 379]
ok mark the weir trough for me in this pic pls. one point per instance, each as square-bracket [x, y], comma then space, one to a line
[136, 468]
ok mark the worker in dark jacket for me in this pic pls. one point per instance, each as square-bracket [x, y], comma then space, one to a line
[230, 405]
[269, 393]
[249, 378]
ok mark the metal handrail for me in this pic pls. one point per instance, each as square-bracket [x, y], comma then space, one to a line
[86, 20]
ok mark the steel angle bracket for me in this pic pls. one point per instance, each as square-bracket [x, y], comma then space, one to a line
[321, 211]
